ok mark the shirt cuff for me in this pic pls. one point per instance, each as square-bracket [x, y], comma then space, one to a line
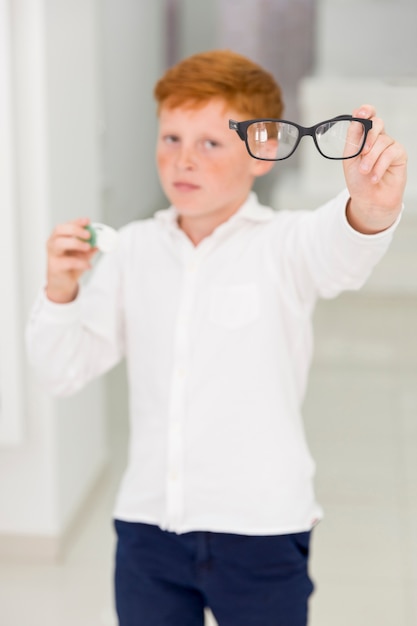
[387, 232]
[58, 313]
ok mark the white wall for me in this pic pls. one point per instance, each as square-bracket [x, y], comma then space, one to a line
[366, 38]
[10, 358]
[45, 476]
[198, 26]
[132, 50]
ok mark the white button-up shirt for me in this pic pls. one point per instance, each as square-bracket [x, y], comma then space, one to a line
[218, 342]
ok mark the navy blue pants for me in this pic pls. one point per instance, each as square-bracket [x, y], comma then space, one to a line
[165, 579]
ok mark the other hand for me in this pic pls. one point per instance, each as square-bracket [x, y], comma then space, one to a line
[69, 256]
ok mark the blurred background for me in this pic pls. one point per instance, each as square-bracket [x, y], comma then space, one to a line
[77, 131]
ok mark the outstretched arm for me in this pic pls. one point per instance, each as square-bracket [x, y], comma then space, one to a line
[375, 179]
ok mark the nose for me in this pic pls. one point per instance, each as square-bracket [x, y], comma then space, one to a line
[186, 157]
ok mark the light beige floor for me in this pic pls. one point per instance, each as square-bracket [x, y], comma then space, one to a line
[361, 420]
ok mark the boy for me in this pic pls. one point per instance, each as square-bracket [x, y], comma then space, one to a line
[210, 302]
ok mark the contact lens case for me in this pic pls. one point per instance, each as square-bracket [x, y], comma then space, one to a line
[102, 236]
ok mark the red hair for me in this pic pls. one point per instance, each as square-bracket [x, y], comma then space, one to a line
[220, 74]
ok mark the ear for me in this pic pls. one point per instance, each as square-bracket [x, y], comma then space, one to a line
[260, 168]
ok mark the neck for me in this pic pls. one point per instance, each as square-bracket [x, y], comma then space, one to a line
[198, 227]
[196, 230]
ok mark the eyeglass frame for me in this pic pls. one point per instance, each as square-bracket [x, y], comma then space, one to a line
[242, 130]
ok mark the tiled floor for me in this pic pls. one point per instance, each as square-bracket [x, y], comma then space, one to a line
[361, 419]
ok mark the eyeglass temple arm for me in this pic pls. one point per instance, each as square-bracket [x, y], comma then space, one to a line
[233, 125]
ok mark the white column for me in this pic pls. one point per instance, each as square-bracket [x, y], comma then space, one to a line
[10, 352]
[52, 174]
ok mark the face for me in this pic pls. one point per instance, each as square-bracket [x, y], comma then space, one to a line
[204, 167]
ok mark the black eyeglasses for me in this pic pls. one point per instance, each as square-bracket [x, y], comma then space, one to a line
[341, 137]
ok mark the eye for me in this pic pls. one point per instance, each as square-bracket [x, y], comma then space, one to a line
[209, 144]
[170, 139]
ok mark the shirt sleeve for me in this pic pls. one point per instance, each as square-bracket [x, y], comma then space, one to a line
[325, 256]
[70, 344]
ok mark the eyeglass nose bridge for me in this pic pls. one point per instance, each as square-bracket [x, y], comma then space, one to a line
[308, 131]
[311, 131]
[241, 129]
[366, 126]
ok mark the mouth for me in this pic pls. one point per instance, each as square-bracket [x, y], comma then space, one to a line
[184, 186]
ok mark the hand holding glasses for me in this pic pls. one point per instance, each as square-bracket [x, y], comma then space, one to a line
[341, 137]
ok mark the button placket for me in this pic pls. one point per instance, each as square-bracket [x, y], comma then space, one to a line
[175, 453]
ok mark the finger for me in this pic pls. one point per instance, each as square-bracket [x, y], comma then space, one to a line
[366, 111]
[354, 138]
[379, 152]
[71, 263]
[376, 130]
[71, 244]
[390, 158]
[76, 228]
[69, 235]
[60, 245]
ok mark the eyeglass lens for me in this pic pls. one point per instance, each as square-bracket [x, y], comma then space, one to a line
[335, 139]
